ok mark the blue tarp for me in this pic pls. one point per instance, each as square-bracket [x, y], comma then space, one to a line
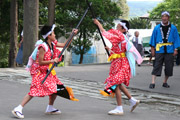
[89, 57]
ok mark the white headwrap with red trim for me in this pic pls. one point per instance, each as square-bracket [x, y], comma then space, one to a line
[52, 29]
[124, 25]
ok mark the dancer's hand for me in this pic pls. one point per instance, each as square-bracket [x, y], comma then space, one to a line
[107, 48]
[56, 60]
[96, 22]
[99, 25]
[75, 31]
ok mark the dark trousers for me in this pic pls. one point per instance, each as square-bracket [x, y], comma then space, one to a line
[178, 58]
[167, 59]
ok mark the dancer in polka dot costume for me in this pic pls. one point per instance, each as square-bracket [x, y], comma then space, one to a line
[47, 54]
[120, 70]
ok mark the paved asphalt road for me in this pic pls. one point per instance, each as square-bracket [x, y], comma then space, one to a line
[90, 108]
[99, 72]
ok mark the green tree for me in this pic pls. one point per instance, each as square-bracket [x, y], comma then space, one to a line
[51, 12]
[13, 33]
[43, 12]
[69, 12]
[30, 25]
[4, 32]
[5, 28]
[138, 23]
[173, 6]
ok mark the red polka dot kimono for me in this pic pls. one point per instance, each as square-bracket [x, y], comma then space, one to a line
[38, 73]
[120, 69]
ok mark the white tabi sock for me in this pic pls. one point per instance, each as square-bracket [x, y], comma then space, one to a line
[120, 108]
[18, 108]
[132, 101]
[50, 108]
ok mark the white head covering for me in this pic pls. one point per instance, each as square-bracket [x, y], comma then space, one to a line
[165, 12]
[22, 33]
[52, 29]
[124, 25]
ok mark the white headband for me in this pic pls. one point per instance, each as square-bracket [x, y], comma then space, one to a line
[52, 29]
[124, 25]
[165, 12]
[22, 33]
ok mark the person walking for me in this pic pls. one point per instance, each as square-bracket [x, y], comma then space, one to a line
[120, 71]
[164, 43]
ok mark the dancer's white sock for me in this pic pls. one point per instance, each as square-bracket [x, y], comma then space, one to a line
[18, 108]
[133, 100]
[50, 108]
[120, 108]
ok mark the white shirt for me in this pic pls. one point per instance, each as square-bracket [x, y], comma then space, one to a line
[140, 40]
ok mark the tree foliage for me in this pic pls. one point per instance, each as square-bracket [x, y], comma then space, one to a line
[138, 23]
[4, 32]
[69, 12]
[67, 15]
[43, 12]
[173, 6]
[5, 28]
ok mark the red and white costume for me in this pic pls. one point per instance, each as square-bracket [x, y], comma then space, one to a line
[120, 69]
[39, 72]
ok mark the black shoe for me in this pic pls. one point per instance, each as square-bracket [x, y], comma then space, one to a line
[152, 86]
[166, 85]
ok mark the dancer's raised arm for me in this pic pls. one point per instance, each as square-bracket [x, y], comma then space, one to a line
[99, 25]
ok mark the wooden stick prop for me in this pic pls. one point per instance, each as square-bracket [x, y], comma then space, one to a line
[67, 43]
[89, 4]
